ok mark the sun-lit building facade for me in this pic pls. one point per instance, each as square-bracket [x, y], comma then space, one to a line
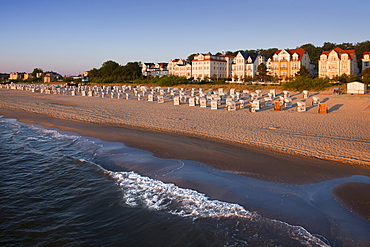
[208, 66]
[338, 62]
[287, 63]
[245, 65]
[179, 67]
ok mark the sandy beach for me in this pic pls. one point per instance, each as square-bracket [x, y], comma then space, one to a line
[285, 147]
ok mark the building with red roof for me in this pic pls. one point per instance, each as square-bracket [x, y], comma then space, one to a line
[366, 60]
[154, 69]
[337, 62]
[287, 62]
[207, 66]
[179, 67]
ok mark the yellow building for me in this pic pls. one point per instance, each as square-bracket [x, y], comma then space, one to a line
[287, 62]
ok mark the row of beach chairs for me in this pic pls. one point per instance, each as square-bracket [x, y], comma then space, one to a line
[217, 99]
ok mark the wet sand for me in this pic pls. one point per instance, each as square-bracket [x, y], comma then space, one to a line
[356, 196]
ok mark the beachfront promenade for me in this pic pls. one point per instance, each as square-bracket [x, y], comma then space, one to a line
[241, 116]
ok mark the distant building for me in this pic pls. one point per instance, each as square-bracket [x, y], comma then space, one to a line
[286, 63]
[51, 76]
[17, 75]
[338, 62]
[365, 60]
[154, 69]
[180, 67]
[207, 66]
[245, 65]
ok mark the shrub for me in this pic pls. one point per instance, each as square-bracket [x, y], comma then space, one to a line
[304, 83]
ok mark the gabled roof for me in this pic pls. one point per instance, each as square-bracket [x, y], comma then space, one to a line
[365, 53]
[299, 51]
[252, 55]
[340, 51]
[163, 65]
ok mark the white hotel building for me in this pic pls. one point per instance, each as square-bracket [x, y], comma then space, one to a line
[207, 66]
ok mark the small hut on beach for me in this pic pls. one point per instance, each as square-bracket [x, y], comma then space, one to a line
[356, 88]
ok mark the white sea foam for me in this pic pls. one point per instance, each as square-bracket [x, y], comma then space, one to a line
[141, 191]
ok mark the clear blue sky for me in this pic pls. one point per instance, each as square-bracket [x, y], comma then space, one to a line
[72, 36]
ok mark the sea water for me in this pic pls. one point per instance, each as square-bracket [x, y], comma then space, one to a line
[62, 189]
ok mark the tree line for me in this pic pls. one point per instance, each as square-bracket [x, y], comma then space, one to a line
[112, 72]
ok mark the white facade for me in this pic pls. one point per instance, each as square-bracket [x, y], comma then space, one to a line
[365, 60]
[180, 67]
[356, 88]
[245, 65]
[207, 66]
[337, 62]
[154, 69]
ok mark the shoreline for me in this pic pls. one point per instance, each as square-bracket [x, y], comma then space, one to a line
[220, 154]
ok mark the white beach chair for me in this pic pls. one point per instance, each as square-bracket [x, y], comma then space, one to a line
[301, 106]
[176, 100]
[258, 93]
[273, 93]
[231, 106]
[288, 102]
[315, 100]
[192, 101]
[150, 97]
[128, 96]
[203, 102]
[305, 94]
[214, 104]
[160, 99]
[241, 104]
[256, 104]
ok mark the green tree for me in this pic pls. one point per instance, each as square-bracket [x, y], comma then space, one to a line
[313, 51]
[366, 76]
[262, 69]
[35, 71]
[303, 71]
[191, 57]
[267, 53]
[328, 46]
